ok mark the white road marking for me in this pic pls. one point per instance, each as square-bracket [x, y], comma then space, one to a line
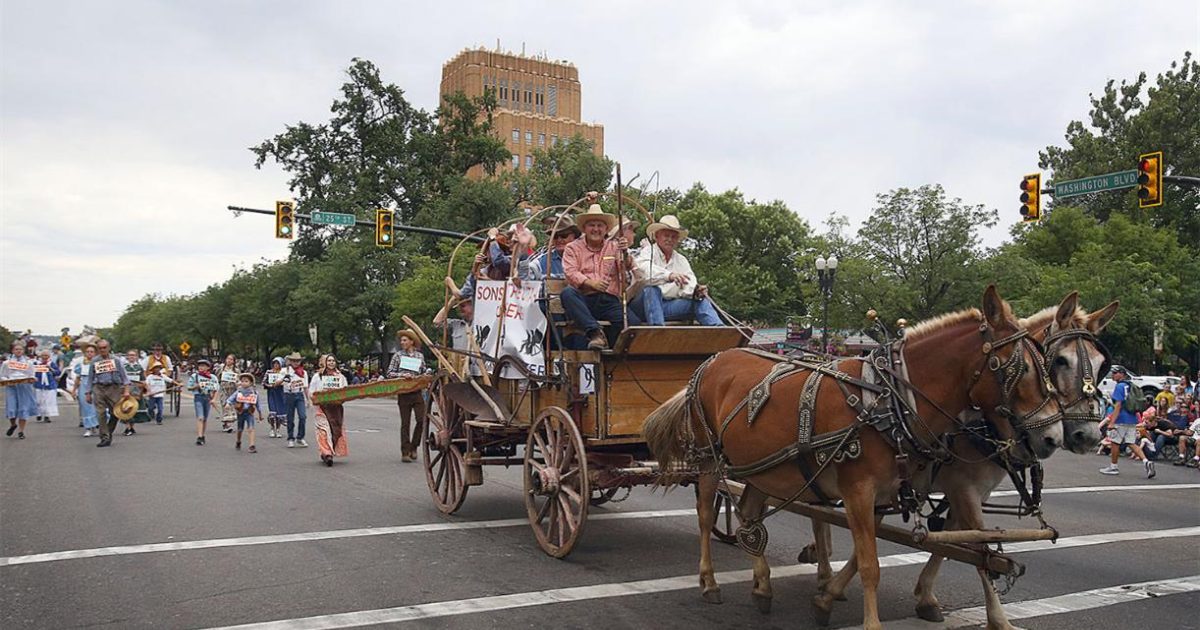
[1089, 489]
[1070, 602]
[77, 554]
[185, 545]
[641, 587]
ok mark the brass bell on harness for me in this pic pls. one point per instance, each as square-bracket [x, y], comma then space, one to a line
[901, 323]
[872, 315]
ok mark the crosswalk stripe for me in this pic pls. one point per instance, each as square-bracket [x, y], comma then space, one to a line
[641, 587]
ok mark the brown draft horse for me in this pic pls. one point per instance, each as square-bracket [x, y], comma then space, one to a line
[1076, 363]
[953, 363]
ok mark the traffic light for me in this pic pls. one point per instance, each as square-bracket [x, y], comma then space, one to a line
[1031, 198]
[1150, 168]
[383, 227]
[285, 219]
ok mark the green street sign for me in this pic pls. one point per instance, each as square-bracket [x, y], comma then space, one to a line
[1110, 181]
[333, 218]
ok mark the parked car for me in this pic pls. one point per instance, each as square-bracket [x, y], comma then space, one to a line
[1151, 385]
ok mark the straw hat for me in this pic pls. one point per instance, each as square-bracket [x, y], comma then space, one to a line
[295, 356]
[246, 375]
[126, 408]
[594, 212]
[203, 362]
[668, 222]
[632, 224]
[412, 336]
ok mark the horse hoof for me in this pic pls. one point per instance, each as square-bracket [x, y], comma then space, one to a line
[713, 596]
[930, 612]
[808, 555]
[821, 612]
[762, 603]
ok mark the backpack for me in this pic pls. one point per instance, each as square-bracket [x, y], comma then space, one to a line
[1135, 399]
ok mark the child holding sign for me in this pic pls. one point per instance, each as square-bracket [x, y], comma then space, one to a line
[331, 429]
[246, 402]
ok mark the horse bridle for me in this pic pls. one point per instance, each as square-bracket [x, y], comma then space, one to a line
[1008, 374]
[1088, 390]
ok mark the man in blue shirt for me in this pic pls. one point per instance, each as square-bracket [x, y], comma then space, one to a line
[109, 384]
[1122, 427]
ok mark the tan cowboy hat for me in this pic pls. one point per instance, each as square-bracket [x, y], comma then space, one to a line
[126, 408]
[632, 224]
[246, 375]
[594, 212]
[668, 222]
[295, 356]
[412, 336]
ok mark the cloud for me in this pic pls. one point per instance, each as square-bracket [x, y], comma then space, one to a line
[125, 126]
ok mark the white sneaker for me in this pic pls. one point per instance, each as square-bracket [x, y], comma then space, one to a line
[87, 433]
[291, 444]
[1150, 472]
[1111, 469]
[302, 443]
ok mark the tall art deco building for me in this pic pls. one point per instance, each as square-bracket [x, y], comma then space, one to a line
[539, 99]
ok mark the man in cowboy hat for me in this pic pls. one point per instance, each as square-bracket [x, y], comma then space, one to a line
[561, 231]
[109, 384]
[295, 399]
[408, 363]
[595, 267]
[671, 292]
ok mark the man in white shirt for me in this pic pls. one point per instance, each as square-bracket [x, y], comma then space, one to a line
[670, 291]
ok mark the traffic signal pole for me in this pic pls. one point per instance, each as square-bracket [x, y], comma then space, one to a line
[371, 224]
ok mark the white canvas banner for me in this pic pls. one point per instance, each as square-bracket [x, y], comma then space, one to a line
[524, 323]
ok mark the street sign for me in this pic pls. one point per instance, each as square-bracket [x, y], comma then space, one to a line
[65, 342]
[1110, 181]
[184, 348]
[331, 218]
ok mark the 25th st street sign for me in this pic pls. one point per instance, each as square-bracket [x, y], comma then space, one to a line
[1110, 181]
[331, 218]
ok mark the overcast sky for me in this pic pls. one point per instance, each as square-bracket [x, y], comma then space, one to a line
[124, 126]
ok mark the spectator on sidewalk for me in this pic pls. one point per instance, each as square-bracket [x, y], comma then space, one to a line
[1122, 427]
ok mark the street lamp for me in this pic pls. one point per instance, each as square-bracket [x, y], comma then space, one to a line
[826, 270]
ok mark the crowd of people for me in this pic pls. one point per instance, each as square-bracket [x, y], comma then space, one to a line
[112, 389]
[1149, 429]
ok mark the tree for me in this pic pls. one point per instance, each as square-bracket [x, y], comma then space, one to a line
[746, 252]
[915, 257]
[1124, 124]
[562, 173]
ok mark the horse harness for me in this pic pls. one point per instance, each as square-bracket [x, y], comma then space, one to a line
[887, 405]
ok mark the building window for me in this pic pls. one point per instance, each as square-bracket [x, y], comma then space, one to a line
[516, 162]
[553, 140]
[504, 89]
[541, 139]
[552, 105]
[528, 97]
[528, 137]
[528, 162]
[516, 136]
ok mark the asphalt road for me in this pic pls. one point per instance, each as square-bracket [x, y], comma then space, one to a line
[79, 528]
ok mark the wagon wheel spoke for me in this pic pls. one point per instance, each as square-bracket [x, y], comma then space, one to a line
[543, 511]
[570, 473]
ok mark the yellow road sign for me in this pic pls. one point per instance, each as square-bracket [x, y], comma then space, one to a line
[185, 347]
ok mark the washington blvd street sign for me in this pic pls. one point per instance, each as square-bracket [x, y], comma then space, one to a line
[1111, 181]
[331, 218]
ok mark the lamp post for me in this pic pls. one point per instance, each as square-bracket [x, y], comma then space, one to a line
[826, 270]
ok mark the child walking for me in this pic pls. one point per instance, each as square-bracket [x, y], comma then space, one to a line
[248, 405]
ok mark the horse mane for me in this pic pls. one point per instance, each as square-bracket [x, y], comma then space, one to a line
[1045, 317]
[940, 322]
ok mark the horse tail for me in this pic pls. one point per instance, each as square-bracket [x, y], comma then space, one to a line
[668, 432]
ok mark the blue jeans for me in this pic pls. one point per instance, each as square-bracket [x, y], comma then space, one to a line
[154, 407]
[203, 405]
[650, 307]
[295, 406]
[585, 309]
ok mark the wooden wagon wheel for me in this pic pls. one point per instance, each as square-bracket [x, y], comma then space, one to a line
[556, 481]
[442, 451]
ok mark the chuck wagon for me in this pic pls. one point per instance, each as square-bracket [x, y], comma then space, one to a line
[573, 424]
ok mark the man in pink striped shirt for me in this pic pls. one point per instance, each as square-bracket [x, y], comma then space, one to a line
[595, 267]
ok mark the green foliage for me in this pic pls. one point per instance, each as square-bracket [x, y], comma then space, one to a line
[746, 252]
[562, 173]
[6, 339]
[1126, 121]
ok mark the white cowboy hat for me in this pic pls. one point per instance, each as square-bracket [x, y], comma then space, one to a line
[632, 224]
[668, 222]
[593, 213]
